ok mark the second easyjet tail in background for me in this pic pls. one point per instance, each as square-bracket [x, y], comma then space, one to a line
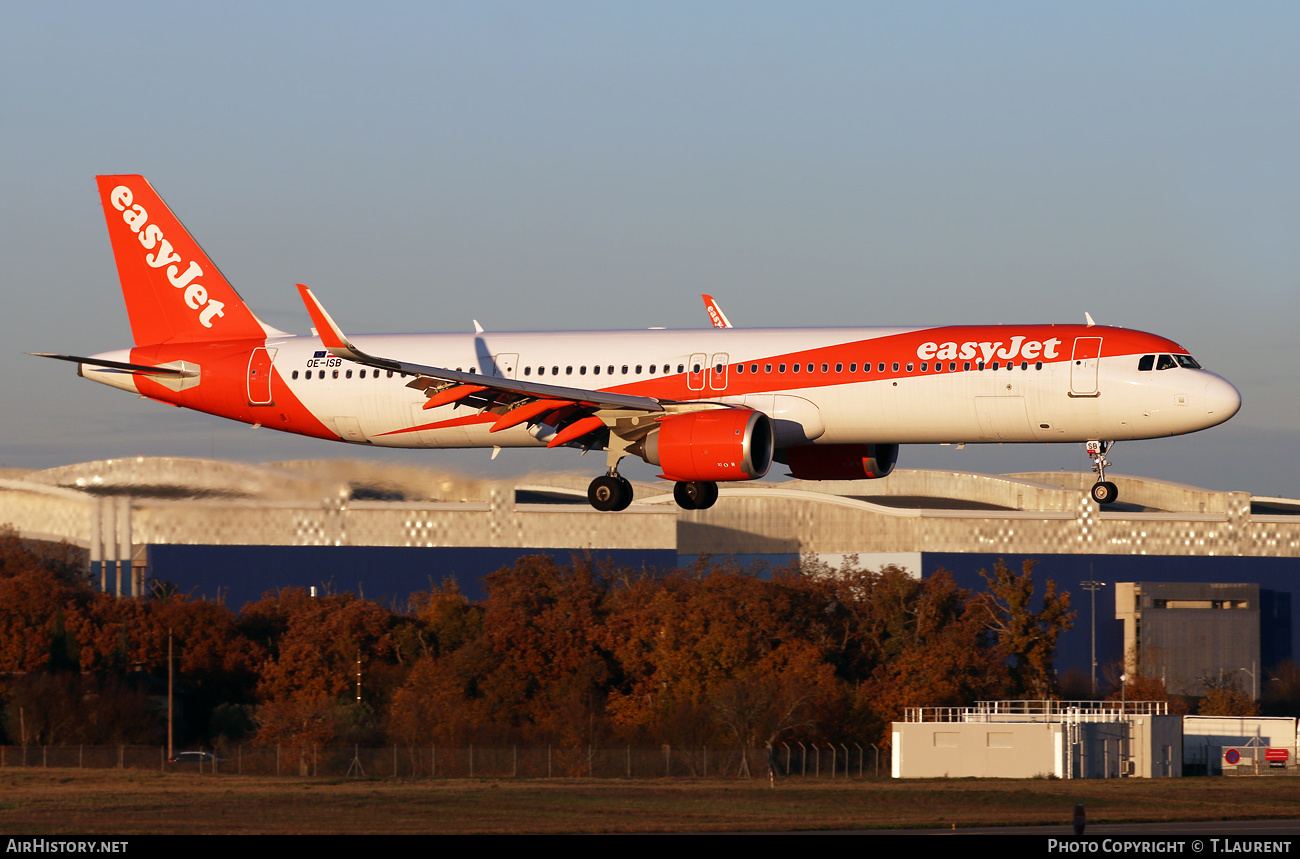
[173, 291]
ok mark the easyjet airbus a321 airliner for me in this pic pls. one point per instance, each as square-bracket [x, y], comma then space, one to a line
[708, 405]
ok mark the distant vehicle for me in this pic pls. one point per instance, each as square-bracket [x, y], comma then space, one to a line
[195, 758]
[710, 405]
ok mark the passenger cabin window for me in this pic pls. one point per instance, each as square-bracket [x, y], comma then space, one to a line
[895, 366]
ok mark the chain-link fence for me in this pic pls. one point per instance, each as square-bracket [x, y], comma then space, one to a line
[798, 761]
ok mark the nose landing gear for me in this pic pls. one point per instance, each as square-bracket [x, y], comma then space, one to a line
[1103, 491]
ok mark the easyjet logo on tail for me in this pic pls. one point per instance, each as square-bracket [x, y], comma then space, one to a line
[152, 239]
[1020, 346]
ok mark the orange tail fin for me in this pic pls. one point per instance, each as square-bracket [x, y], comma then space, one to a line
[173, 291]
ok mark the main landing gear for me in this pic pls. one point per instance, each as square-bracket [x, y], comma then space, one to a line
[695, 494]
[1103, 491]
[610, 491]
[613, 492]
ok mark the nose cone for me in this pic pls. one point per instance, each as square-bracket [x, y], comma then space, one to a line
[1222, 400]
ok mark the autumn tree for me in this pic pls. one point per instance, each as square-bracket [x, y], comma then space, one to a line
[1282, 691]
[543, 633]
[315, 647]
[713, 652]
[1142, 687]
[1025, 634]
[438, 701]
[1225, 697]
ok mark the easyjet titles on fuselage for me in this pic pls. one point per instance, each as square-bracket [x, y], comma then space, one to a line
[1028, 350]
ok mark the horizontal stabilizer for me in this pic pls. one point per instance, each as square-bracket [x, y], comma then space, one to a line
[140, 369]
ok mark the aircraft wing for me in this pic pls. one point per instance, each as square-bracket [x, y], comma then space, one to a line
[517, 394]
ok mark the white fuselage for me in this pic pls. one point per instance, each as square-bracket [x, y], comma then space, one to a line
[1052, 383]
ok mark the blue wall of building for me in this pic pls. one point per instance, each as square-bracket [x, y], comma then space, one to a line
[385, 574]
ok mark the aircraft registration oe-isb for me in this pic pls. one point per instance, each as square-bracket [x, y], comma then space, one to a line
[707, 405]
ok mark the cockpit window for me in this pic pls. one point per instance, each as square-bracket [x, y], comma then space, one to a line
[1166, 362]
[1187, 361]
[1146, 362]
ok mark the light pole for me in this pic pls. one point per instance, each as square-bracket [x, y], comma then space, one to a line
[1092, 586]
[1254, 685]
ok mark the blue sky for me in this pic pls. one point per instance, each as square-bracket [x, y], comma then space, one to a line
[599, 165]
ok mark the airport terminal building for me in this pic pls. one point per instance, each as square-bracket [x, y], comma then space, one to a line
[1188, 582]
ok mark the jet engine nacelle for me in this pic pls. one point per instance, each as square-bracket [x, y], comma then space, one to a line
[718, 444]
[840, 461]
